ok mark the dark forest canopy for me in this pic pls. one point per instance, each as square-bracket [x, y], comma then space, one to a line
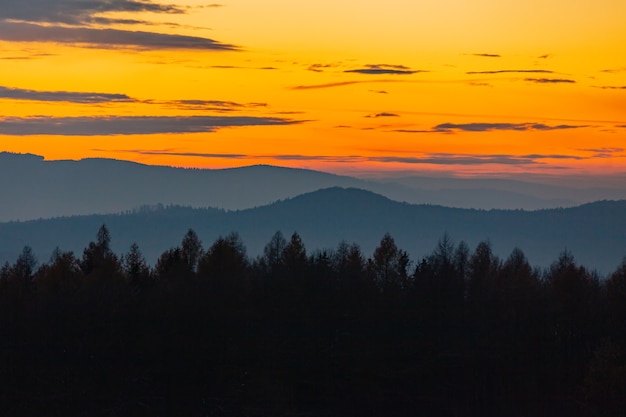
[211, 331]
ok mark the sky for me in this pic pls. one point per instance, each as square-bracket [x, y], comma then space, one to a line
[444, 87]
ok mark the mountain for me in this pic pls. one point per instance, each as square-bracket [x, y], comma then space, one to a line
[41, 189]
[592, 232]
[34, 188]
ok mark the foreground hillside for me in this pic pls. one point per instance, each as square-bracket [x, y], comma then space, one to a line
[592, 232]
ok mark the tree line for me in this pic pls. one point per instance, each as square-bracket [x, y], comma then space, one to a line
[211, 331]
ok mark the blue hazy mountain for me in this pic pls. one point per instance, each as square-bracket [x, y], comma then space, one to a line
[594, 232]
[33, 188]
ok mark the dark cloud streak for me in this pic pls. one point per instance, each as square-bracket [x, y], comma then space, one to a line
[129, 125]
[62, 96]
[428, 158]
[384, 69]
[550, 80]
[383, 114]
[519, 71]
[105, 38]
[490, 127]
[78, 12]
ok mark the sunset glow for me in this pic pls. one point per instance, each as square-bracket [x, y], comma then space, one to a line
[436, 86]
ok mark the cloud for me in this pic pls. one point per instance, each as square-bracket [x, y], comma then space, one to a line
[327, 85]
[105, 38]
[487, 55]
[549, 80]
[384, 69]
[419, 131]
[341, 84]
[488, 127]
[611, 87]
[62, 96]
[544, 56]
[34, 55]
[614, 70]
[603, 152]
[208, 105]
[128, 125]
[238, 67]
[383, 114]
[320, 67]
[427, 158]
[518, 71]
[379, 91]
[78, 12]
[100, 98]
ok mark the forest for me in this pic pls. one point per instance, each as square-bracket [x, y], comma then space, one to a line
[210, 331]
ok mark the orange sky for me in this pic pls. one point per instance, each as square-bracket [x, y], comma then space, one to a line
[464, 88]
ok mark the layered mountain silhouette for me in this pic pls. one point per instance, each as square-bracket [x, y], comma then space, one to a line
[33, 188]
[593, 233]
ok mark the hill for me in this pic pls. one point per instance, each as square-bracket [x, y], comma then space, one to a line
[592, 232]
[36, 188]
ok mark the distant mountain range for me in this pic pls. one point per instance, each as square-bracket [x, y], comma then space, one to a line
[594, 232]
[32, 188]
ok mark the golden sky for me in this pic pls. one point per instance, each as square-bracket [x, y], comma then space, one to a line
[456, 87]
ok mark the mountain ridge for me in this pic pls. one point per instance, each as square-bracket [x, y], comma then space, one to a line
[323, 218]
[38, 188]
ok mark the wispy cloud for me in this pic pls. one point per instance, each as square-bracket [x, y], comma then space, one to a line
[326, 85]
[512, 71]
[603, 152]
[384, 69]
[79, 12]
[550, 80]
[420, 159]
[321, 67]
[62, 96]
[487, 55]
[209, 105]
[100, 98]
[614, 70]
[383, 114]
[105, 38]
[489, 127]
[239, 67]
[611, 87]
[129, 125]
[342, 84]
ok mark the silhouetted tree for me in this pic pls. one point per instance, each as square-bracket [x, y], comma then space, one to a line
[273, 252]
[135, 266]
[390, 265]
[98, 258]
[294, 255]
[225, 264]
[616, 304]
[191, 250]
[25, 264]
[171, 266]
[61, 274]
